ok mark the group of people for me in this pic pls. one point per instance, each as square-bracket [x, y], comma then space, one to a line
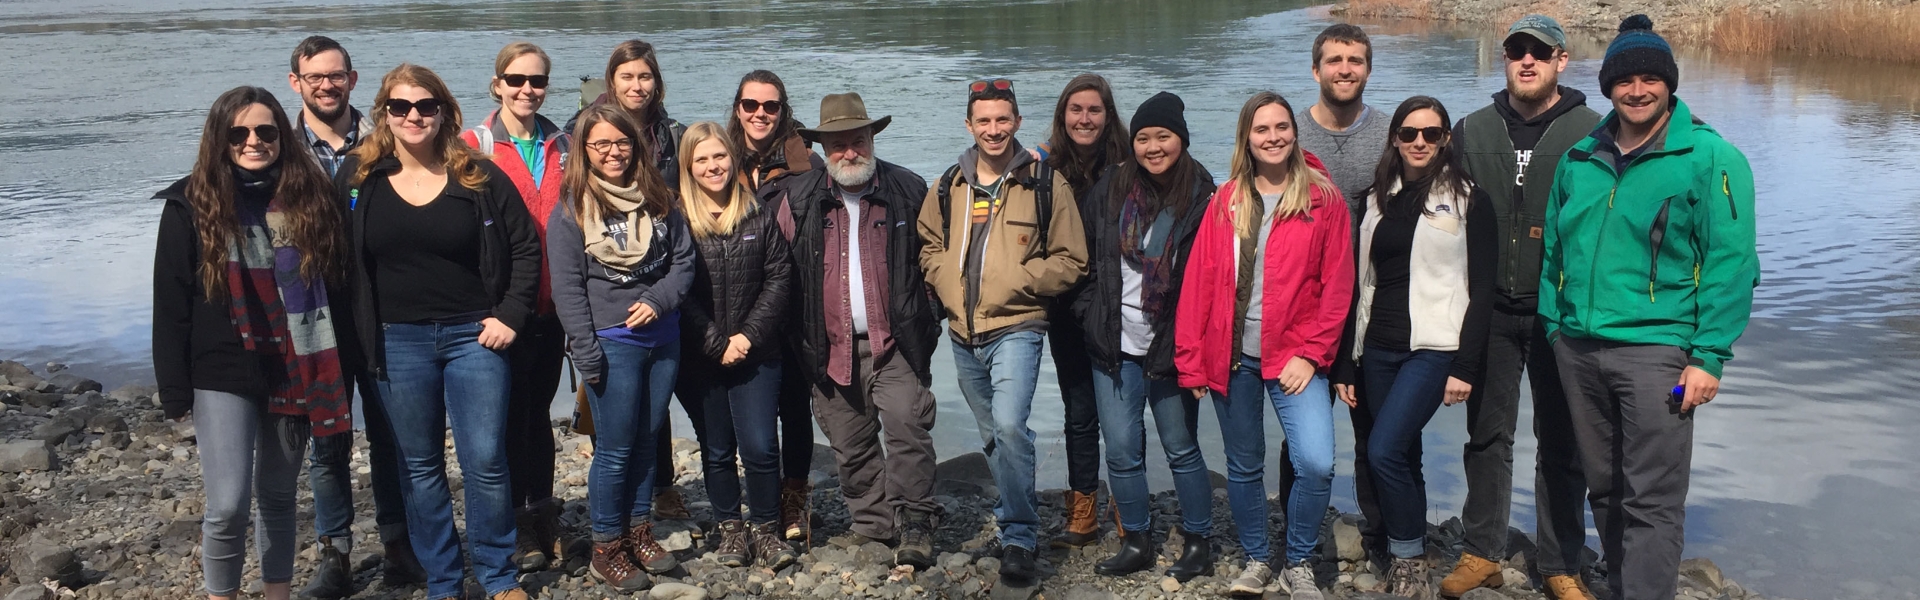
[1394, 263]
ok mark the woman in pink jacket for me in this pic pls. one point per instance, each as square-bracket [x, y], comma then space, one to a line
[1267, 290]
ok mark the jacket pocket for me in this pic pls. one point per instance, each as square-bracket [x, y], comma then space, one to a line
[1656, 236]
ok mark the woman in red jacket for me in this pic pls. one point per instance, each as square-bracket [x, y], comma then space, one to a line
[530, 150]
[1267, 291]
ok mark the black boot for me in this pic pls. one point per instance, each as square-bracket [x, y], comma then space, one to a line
[1136, 555]
[401, 567]
[1196, 557]
[332, 577]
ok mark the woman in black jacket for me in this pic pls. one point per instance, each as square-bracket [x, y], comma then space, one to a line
[731, 324]
[248, 261]
[445, 264]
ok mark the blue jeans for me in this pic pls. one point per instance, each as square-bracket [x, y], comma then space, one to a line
[439, 375]
[997, 379]
[629, 410]
[1401, 390]
[330, 474]
[1307, 419]
[1122, 397]
[735, 412]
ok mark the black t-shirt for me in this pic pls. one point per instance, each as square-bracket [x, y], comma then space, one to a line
[426, 259]
[1389, 327]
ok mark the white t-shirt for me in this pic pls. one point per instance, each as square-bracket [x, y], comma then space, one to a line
[1136, 334]
[856, 281]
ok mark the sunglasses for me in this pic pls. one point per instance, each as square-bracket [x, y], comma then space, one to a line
[1540, 52]
[238, 135]
[980, 87]
[398, 109]
[514, 80]
[750, 106]
[1433, 135]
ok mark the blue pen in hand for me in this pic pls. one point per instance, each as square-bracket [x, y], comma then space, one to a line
[1679, 395]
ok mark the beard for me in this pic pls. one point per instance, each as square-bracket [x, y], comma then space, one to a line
[853, 172]
[326, 116]
[1542, 90]
[1328, 94]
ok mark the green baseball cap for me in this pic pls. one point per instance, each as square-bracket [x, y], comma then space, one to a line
[1542, 28]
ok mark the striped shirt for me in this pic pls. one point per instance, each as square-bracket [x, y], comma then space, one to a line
[331, 157]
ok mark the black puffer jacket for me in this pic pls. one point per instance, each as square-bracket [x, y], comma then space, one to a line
[1096, 302]
[740, 286]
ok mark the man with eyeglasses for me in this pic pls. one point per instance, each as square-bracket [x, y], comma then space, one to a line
[323, 74]
[1511, 147]
[1002, 237]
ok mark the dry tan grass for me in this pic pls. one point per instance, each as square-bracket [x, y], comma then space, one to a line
[1860, 30]
[1390, 9]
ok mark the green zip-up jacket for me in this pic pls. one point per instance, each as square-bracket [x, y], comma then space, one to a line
[1661, 252]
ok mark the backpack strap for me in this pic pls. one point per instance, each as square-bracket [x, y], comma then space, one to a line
[483, 138]
[946, 201]
[1043, 200]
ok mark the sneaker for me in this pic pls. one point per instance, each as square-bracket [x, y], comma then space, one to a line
[1017, 568]
[646, 552]
[332, 578]
[669, 505]
[1407, 578]
[1299, 581]
[732, 551]
[1471, 572]
[1568, 587]
[1253, 579]
[795, 511]
[1083, 522]
[768, 548]
[916, 539]
[612, 565]
[401, 568]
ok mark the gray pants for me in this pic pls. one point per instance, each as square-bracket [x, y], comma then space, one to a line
[246, 452]
[1517, 342]
[1637, 450]
[887, 399]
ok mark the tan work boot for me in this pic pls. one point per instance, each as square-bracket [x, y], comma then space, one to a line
[1471, 572]
[512, 594]
[1083, 522]
[1568, 587]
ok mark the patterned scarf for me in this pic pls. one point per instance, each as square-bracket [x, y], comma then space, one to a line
[1136, 223]
[283, 316]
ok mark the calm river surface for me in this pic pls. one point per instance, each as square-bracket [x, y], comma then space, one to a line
[1804, 471]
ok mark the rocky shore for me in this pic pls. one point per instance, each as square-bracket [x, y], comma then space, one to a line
[100, 498]
[1681, 19]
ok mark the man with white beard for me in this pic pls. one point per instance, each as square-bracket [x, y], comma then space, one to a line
[863, 328]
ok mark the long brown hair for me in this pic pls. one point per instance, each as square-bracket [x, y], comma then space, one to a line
[312, 217]
[740, 203]
[656, 108]
[1447, 170]
[1082, 167]
[656, 200]
[737, 132]
[1297, 198]
[459, 159]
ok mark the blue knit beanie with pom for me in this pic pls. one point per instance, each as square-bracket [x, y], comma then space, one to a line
[1638, 51]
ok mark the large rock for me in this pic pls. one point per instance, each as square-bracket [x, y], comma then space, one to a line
[1483, 594]
[676, 591]
[971, 467]
[133, 394]
[31, 591]
[107, 423]
[25, 455]
[41, 399]
[39, 558]
[68, 383]
[1346, 538]
[1704, 573]
[55, 431]
[674, 536]
[15, 370]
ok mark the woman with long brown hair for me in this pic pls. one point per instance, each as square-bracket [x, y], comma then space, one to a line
[245, 336]
[622, 262]
[445, 264]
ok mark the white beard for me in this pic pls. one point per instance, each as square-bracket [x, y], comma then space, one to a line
[853, 173]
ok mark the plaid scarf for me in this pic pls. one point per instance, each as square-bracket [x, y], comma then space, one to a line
[284, 317]
[1156, 266]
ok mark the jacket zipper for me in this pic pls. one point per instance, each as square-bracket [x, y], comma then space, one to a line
[1657, 235]
[1726, 187]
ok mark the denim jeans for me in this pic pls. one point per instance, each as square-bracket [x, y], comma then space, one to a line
[998, 379]
[1307, 419]
[1123, 396]
[1403, 390]
[330, 474]
[247, 455]
[735, 412]
[440, 375]
[629, 410]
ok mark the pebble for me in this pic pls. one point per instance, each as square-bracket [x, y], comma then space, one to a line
[1169, 585]
[676, 591]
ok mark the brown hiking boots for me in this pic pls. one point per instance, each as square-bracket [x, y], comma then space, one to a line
[1568, 587]
[612, 564]
[1407, 578]
[646, 551]
[669, 505]
[769, 548]
[732, 550]
[1471, 572]
[1083, 521]
[537, 536]
[795, 513]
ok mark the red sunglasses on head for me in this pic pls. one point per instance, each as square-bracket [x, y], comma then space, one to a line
[1004, 85]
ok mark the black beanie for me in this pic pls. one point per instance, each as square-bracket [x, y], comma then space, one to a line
[1638, 51]
[1162, 110]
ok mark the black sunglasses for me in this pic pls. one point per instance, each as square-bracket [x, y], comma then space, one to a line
[238, 135]
[1434, 135]
[397, 108]
[750, 106]
[1540, 52]
[514, 80]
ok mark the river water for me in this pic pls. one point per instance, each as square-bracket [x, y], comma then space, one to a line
[1804, 470]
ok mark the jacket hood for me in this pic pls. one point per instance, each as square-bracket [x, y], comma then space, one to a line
[968, 157]
[1569, 99]
[174, 193]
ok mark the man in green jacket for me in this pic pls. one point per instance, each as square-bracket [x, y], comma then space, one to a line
[1648, 279]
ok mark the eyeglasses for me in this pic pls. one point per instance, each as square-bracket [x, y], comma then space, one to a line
[514, 80]
[1540, 52]
[238, 135]
[314, 79]
[605, 146]
[980, 87]
[750, 106]
[1433, 135]
[398, 109]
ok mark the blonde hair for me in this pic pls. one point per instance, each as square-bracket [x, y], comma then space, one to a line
[447, 145]
[692, 197]
[511, 53]
[1296, 200]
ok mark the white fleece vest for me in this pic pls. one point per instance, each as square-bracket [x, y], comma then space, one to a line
[1436, 269]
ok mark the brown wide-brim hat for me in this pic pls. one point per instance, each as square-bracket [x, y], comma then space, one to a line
[843, 112]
